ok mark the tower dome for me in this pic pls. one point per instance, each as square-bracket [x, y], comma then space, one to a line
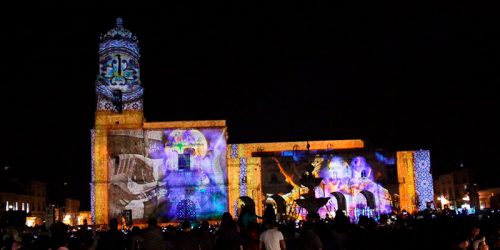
[119, 38]
[118, 83]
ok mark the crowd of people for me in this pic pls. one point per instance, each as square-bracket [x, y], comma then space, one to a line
[425, 230]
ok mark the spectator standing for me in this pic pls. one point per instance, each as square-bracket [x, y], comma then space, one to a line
[152, 237]
[272, 238]
[113, 239]
[228, 236]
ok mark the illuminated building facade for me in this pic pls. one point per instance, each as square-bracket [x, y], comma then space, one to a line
[459, 189]
[355, 179]
[170, 170]
[27, 196]
[186, 170]
[416, 189]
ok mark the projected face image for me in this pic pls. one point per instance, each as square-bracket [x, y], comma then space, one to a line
[175, 174]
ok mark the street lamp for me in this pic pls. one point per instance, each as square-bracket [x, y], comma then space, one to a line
[443, 201]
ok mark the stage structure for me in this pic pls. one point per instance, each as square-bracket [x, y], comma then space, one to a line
[186, 170]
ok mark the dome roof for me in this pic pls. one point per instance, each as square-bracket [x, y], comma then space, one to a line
[119, 32]
[119, 38]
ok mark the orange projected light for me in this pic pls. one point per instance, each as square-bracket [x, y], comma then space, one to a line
[288, 179]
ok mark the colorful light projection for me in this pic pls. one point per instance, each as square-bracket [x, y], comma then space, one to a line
[244, 179]
[118, 84]
[415, 180]
[350, 186]
[174, 174]
[254, 166]
[423, 179]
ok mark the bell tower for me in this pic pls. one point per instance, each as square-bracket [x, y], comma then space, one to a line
[118, 86]
[119, 96]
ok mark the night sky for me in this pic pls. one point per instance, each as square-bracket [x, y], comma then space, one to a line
[398, 77]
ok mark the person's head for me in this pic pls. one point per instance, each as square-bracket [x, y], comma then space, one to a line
[274, 224]
[226, 217]
[474, 232]
[271, 224]
[496, 243]
[383, 219]
[480, 244]
[461, 241]
[339, 214]
[136, 230]
[205, 225]
[243, 210]
[186, 225]
[113, 223]
[152, 222]
[16, 245]
[308, 225]
[62, 242]
[312, 217]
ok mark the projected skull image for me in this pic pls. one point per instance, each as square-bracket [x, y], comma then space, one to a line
[174, 174]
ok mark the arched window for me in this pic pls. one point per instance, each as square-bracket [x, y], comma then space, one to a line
[363, 173]
[184, 162]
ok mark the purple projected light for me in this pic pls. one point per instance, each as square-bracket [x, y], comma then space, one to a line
[182, 175]
[352, 185]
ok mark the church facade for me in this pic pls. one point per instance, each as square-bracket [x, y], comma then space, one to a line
[179, 170]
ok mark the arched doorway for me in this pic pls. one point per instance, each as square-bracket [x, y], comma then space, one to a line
[280, 204]
[370, 199]
[341, 203]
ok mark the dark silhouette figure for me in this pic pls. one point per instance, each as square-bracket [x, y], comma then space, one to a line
[59, 232]
[135, 238]
[228, 236]
[206, 237]
[153, 236]
[113, 238]
[187, 239]
[308, 239]
[269, 215]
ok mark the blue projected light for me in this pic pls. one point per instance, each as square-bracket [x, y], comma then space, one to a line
[423, 178]
[181, 174]
[118, 84]
[243, 177]
[386, 160]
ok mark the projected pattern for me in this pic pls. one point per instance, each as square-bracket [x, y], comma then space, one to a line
[353, 180]
[423, 178]
[118, 84]
[175, 174]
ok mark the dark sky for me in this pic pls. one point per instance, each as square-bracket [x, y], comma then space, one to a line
[397, 76]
